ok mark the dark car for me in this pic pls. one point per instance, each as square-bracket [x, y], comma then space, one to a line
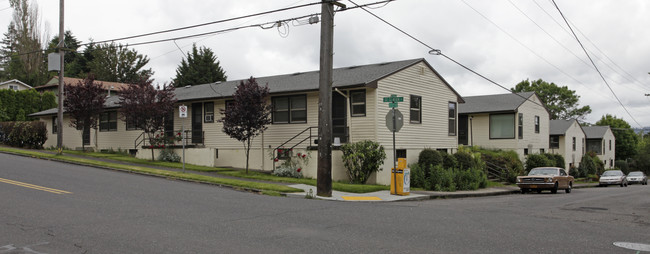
[545, 178]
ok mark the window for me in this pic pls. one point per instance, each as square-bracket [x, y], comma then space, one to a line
[208, 113]
[610, 144]
[400, 153]
[290, 109]
[594, 145]
[520, 126]
[611, 163]
[525, 151]
[574, 144]
[536, 124]
[130, 124]
[13, 87]
[502, 126]
[562, 172]
[584, 148]
[603, 147]
[55, 128]
[541, 150]
[554, 142]
[442, 150]
[358, 103]
[108, 121]
[416, 109]
[452, 118]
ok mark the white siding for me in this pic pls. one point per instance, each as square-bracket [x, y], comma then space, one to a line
[531, 140]
[610, 154]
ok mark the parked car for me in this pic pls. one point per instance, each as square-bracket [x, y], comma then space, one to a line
[637, 177]
[545, 178]
[613, 177]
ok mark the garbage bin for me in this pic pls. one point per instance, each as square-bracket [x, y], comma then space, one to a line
[403, 182]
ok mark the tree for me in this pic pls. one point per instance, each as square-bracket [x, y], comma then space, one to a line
[75, 63]
[23, 45]
[626, 139]
[146, 107]
[116, 63]
[84, 102]
[561, 102]
[248, 115]
[201, 67]
[17, 105]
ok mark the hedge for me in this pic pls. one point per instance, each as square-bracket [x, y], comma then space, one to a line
[23, 134]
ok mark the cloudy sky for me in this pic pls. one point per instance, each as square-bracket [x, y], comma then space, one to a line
[504, 40]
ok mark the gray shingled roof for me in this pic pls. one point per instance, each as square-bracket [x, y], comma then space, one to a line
[493, 103]
[111, 102]
[595, 131]
[364, 75]
[559, 127]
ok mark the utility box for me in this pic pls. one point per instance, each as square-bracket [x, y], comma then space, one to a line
[403, 181]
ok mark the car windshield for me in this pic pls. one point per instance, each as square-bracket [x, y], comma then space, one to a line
[612, 173]
[636, 174]
[543, 171]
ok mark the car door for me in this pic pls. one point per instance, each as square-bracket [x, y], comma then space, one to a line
[564, 179]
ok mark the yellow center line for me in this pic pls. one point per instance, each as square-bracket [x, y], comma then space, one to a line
[36, 187]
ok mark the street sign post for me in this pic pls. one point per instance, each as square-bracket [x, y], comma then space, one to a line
[182, 113]
[394, 122]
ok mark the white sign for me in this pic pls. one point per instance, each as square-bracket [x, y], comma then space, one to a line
[182, 110]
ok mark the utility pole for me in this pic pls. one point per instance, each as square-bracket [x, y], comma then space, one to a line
[59, 115]
[324, 173]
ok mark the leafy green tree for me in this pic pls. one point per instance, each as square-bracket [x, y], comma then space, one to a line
[201, 67]
[75, 62]
[22, 54]
[117, 63]
[84, 103]
[626, 139]
[561, 102]
[17, 105]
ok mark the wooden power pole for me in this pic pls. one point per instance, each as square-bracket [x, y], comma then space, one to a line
[324, 174]
[59, 115]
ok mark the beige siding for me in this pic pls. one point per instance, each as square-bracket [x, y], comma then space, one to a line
[365, 127]
[566, 146]
[480, 133]
[531, 140]
[71, 136]
[432, 132]
[610, 152]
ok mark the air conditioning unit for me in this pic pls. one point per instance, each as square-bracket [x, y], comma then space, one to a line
[209, 118]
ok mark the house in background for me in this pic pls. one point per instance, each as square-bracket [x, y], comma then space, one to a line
[518, 122]
[15, 85]
[567, 139]
[430, 110]
[53, 85]
[601, 140]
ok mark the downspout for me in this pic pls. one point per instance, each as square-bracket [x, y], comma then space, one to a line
[348, 117]
[471, 131]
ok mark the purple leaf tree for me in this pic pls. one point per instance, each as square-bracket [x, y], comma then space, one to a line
[248, 115]
[84, 102]
[146, 107]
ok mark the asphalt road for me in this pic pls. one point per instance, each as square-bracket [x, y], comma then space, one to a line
[116, 212]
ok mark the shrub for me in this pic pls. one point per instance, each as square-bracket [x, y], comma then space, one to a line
[506, 163]
[556, 159]
[429, 157]
[362, 159]
[471, 179]
[622, 165]
[464, 160]
[573, 171]
[167, 154]
[418, 176]
[588, 165]
[288, 172]
[23, 134]
[449, 161]
[538, 160]
[442, 179]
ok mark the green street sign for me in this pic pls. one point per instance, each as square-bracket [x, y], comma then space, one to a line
[393, 100]
[386, 99]
[392, 105]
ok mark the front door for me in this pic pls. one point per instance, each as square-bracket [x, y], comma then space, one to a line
[462, 130]
[197, 123]
[339, 117]
[86, 135]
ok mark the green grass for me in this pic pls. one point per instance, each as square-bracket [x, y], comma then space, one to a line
[338, 186]
[266, 188]
[491, 184]
[126, 158]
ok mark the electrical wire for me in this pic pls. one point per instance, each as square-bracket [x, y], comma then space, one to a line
[594, 64]
[439, 52]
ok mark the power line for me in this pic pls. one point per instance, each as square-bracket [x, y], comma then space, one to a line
[439, 52]
[594, 64]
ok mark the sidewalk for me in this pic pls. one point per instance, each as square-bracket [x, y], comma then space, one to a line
[310, 191]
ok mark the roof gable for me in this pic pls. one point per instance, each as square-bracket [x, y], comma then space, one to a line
[15, 81]
[594, 132]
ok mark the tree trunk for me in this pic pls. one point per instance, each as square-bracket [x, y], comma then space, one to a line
[248, 152]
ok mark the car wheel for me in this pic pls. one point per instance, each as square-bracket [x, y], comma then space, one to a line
[568, 190]
[621, 184]
[554, 190]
